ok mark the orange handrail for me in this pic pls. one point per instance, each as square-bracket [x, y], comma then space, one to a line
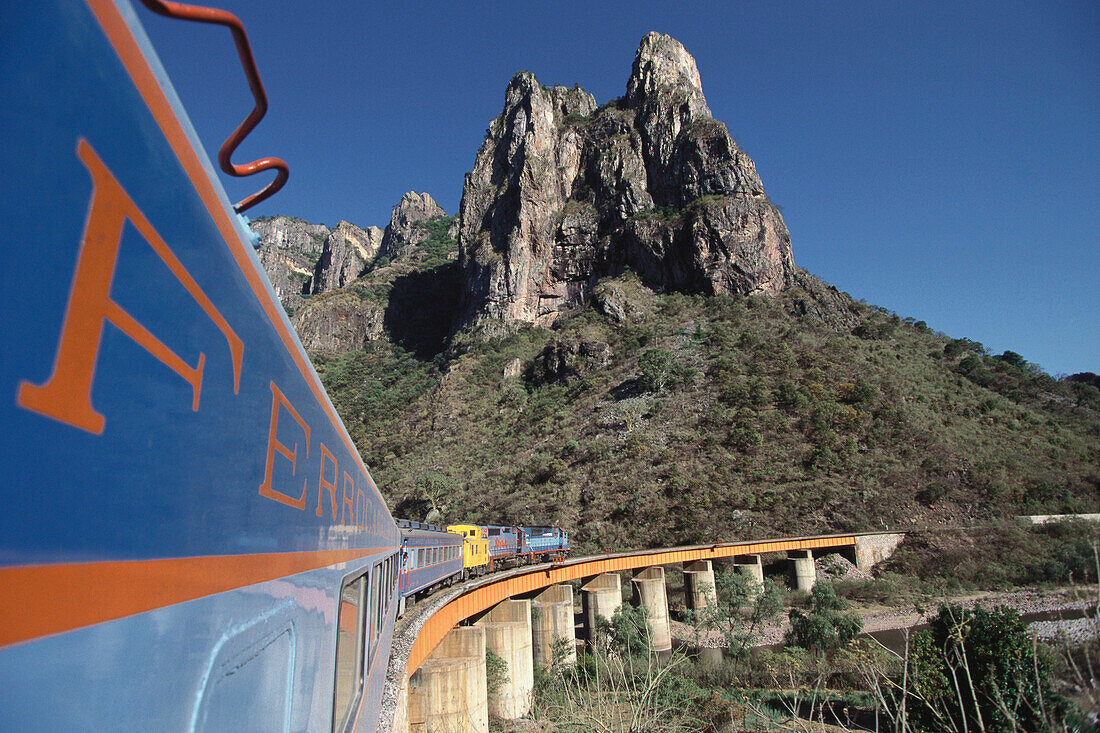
[202, 14]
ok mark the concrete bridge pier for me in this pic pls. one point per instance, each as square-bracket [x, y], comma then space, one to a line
[508, 634]
[552, 619]
[649, 592]
[447, 693]
[805, 572]
[752, 567]
[699, 589]
[601, 595]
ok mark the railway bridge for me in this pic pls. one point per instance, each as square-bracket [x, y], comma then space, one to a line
[437, 676]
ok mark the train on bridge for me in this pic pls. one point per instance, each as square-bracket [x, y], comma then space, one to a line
[190, 539]
[433, 557]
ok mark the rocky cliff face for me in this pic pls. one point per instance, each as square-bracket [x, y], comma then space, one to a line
[289, 249]
[303, 259]
[345, 286]
[563, 193]
[345, 255]
[340, 321]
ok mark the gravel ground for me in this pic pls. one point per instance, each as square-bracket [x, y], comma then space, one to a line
[883, 619]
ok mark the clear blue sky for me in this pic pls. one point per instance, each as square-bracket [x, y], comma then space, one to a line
[939, 159]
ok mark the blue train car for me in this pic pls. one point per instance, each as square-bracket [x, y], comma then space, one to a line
[430, 557]
[544, 543]
[189, 539]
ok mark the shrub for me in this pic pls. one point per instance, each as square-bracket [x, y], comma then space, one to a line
[827, 626]
[979, 670]
[660, 370]
[496, 672]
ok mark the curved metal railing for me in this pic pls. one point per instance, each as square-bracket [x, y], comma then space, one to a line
[215, 16]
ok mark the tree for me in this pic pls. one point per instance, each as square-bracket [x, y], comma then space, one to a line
[433, 487]
[660, 371]
[628, 631]
[827, 626]
[741, 608]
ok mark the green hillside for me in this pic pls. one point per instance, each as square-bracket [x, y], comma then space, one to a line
[680, 419]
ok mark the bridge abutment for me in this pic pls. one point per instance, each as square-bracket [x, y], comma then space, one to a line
[873, 549]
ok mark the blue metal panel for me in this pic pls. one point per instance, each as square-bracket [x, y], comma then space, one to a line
[150, 672]
[196, 471]
[504, 542]
[418, 579]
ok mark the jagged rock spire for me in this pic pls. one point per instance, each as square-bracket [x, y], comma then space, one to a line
[563, 194]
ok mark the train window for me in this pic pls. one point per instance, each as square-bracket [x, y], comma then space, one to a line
[377, 611]
[350, 621]
[387, 573]
[391, 585]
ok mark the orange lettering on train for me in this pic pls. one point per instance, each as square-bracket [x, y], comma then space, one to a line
[348, 502]
[67, 394]
[279, 401]
[325, 484]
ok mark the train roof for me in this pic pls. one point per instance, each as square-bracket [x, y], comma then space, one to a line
[427, 531]
[410, 524]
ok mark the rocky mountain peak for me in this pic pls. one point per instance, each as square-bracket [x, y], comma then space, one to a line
[665, 71]
[405, 230]
[563, 101]
[564, 193]
[412, 208]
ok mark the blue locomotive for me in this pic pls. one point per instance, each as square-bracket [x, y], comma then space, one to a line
[544, 543]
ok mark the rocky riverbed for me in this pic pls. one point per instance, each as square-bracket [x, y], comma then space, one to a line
[877, 618]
